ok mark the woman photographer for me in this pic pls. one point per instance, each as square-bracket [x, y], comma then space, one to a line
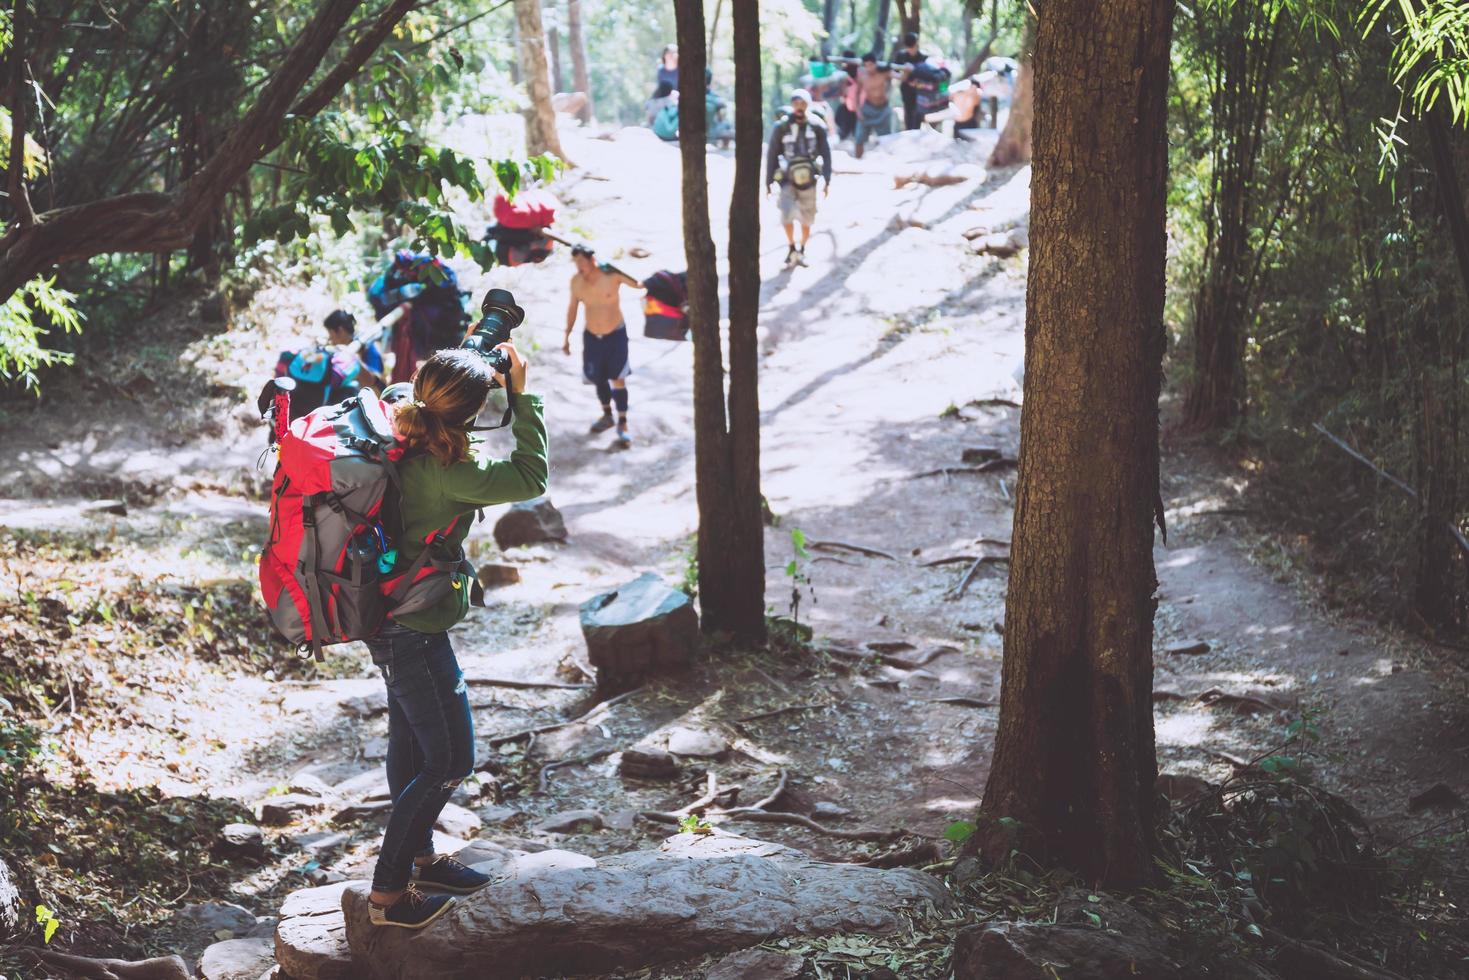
[445, 478]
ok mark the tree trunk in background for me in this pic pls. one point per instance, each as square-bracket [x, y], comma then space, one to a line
[553, 45]
[1013, 146]
[744, 613]
[1072, 782]
[574, 39]
[880, 36]
[828, 24]
[540, 118]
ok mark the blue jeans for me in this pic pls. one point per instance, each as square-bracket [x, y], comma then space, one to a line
[430, 742]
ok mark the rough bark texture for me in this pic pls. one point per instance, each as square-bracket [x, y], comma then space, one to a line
[166, 221]
[1014, 144]
[1074, 759]
[726, 446]
[743, 610]
[580, 80]
[695, 895]
[540, 118]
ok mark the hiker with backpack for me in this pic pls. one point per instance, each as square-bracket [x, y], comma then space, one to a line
[604, 341]
[797, 140]
[911, 56]
[436, 308]
[331, 372]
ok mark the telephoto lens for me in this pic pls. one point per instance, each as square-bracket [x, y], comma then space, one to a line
[501, 315]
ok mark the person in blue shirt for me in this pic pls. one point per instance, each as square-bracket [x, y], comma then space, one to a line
[341, 332]
[667, 71]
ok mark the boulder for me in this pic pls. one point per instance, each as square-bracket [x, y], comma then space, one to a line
[311, 937]
[456, 821]
[282, 809]
[1027, 951]
[530, 522]
[495, 574]
[642, 628]
[10, 905]
[697, 894]
[756, 964]
[237, 959]
[698, 742]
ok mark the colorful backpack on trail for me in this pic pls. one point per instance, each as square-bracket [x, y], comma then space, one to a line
[515, 237]
[663, 306]
[322, 374]
[328, 572]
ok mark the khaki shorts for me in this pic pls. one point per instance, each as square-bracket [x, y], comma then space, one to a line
[797, 205]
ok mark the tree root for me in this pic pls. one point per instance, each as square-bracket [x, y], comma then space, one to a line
[543, 778]
[781, 711]
[958, 591]
[856, 548]
[495, 740]
[1311, 959]
[523, 685]
[158, 968]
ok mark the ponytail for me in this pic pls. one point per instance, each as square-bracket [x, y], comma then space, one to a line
[448, 392]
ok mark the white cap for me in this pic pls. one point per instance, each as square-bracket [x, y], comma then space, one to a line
[803, 94]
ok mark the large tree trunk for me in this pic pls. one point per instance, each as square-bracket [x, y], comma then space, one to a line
[579, 77]
[553, 45]
[879, 41]
[726, 456]
[1074, 764]
[540, 118]
[1014, 145]
[167, 221]
[828, 25]
[743, 610]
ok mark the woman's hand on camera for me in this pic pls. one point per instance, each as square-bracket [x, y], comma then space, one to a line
[516, 384]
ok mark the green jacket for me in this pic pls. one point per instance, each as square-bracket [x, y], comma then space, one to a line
[434, 495]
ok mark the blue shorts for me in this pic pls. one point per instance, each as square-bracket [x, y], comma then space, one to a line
[604, 358]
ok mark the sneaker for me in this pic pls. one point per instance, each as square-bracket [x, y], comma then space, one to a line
[790, 256]
[624, 440]
[413, 910]
[801, 256]
[448, 875]
[602, 424]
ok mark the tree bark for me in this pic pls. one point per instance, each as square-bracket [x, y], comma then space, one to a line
[540, 118]
[20, 199]
[579, 77]
[743, 610]
[1074, 761]
[880, 36]
[167, 221]
[828, 25]
[1014, 144]
[553, 44]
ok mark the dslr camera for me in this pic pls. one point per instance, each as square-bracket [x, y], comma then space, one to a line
[500, 315]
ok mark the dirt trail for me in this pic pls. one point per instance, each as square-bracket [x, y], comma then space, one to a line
[895, 351]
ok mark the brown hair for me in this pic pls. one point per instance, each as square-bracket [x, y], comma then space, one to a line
[448, 392]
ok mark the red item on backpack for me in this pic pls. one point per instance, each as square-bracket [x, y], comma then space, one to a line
[533, 208]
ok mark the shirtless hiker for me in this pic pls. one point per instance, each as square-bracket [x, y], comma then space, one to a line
[604, 343]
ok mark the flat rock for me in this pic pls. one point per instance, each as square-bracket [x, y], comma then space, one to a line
[530, 522]
[699, 742]
[308, 784]
[647, 763]
[1025, 951]
[1187, 647]
[117, 508]
[756, 964]
[456, 821]
[641, 628]
[237, 959]
[500, 815]
[319, 842]
[826, 810]
[980, 454]
[495, 574]
[369, 785]
[575, 739]
[544, 862]
[282, 809]
[695, 895]
[570, 822]
[358, 811]
[311, 937]
[367, 706]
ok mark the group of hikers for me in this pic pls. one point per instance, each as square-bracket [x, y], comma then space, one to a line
[405, 395]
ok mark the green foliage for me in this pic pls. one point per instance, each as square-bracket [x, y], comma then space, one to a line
[798, 571]
[694, 824]
[26, 318]
[1430, 60]
[959, 831]
[48, 922]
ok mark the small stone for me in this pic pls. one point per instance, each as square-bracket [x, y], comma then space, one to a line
[889, 646]
[237, 959]
[824, 810]
[530, 522]
[641, 628]
[622, 819]
[980, 454]
[282, 809]
[457, 821]
[367, 706]
[117, 508]
[1187, 647]
[357, 811]
[375, 748]
[309, 784]
[324, 876]
[696, 742]
[756, 964]
[320, 842]
[570, 822]
[241, 840]
[647, 764]
[500, 815]
[494, 574]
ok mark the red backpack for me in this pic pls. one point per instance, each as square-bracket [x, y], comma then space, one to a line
[328, 572]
